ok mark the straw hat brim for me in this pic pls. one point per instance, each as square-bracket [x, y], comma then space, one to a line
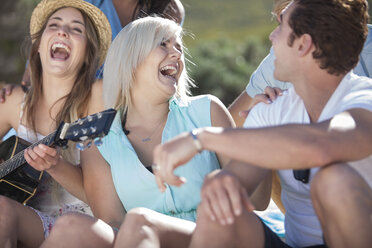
[46, 7]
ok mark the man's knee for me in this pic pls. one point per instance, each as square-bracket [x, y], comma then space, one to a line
[337, 183]
[246, 219]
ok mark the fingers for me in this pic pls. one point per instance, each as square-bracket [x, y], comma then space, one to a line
[272, 93]
[41, 157]
[208, 209]
[223, 210]
[246, 200]
[2, 94]
[278, 91]
[224, 197]
[6, 91]
[261, 98]
[234, 193]
[158, 180]
[9, 88]
[169, 156]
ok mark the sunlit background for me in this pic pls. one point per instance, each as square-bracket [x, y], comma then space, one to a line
[227, 40]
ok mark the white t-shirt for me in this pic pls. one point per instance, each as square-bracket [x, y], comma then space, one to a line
[301, 223]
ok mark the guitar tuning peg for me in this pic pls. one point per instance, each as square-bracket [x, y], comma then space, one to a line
[98, 141]
[89, 144]
[75, 133]
[80, 146]
[93, 129]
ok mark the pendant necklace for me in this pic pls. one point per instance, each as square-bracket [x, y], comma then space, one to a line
[148, 138]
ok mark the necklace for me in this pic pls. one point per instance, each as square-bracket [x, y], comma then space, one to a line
[148, 138]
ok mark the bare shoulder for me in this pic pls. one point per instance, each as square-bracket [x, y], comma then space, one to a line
[13, 102]
[96, 100]
[220, 116]
[10, 109]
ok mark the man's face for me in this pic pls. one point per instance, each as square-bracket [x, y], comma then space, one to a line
[285, 62]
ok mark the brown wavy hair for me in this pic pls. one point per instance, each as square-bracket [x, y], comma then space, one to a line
[338, 29]
[76, 101]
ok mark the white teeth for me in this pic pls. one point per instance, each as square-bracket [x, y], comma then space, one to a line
[60, 45]
[170, 67]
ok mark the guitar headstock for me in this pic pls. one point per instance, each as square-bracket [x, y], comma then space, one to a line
[86, 129]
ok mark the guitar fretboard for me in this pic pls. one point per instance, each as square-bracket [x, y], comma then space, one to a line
[19, 159]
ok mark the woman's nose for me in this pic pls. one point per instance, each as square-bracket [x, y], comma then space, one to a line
[63, 32]
[175, 53]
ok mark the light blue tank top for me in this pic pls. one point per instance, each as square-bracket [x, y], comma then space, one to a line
[136, 185]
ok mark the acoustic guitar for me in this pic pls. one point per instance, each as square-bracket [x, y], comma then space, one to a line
[18, 180]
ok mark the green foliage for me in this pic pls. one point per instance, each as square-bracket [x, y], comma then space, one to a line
[210, 20]
[223, 67]
[230, 38]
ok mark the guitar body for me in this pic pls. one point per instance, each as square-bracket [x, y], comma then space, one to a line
[21, 183]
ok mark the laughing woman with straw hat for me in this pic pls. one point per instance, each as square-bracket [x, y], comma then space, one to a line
[69, 42]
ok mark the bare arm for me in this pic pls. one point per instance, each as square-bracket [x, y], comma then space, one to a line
[99, 188]
[296, 146]
[292, 146]
[242, 102]
[10, 112]
[220, 117]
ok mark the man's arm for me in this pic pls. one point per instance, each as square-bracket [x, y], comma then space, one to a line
[345, 137]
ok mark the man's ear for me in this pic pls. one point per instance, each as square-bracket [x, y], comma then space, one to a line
[305, 45]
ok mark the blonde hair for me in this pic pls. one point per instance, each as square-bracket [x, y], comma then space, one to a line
[130, 48]
[279, 6]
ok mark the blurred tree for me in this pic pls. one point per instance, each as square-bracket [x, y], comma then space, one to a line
[14, 28]
[223, 67]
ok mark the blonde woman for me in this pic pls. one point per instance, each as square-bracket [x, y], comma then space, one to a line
[69, 41]
[146, 81]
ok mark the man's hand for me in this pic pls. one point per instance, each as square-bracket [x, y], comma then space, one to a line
[224, 197]
[267, 97]
[168, 156]
[42, 157]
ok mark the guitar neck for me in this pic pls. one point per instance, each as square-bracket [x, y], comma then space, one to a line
[18, 159]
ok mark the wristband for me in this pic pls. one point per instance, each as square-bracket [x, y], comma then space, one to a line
[198, 145]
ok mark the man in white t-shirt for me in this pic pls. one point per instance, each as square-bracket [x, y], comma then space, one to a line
[317, 135]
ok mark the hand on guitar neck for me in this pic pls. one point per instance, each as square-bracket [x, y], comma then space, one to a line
[21, 163]
[42, 157]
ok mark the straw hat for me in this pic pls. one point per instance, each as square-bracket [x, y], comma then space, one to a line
[46, 7]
